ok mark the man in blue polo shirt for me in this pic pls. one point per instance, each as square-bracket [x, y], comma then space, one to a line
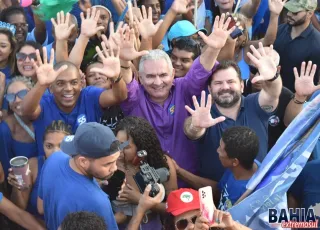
[231, 109]
[68, 184]
[68, 102]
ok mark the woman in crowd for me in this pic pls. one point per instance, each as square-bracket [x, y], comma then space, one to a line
[8, 46]
[141, 136]
[112, 115]
[16, 132]
[27, 198]
[24, 54]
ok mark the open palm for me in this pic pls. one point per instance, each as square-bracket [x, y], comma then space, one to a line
[89, 24]
[181, 6]
[145, 25]
[304, 84]
[276, 6]
[217, 39]
[62, 30]
[201, 116]
[46, 74]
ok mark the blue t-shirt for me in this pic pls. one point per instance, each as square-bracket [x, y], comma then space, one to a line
[64, 191]
[250, 115]
[231, 189]
[87, 109]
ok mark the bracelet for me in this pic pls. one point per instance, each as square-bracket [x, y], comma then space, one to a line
[275, 77]
[117, 79]
[125, 67]
[298, 102]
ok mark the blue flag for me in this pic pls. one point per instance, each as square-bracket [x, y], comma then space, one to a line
[268, 186]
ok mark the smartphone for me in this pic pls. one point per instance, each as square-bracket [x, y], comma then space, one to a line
[232, 22]
[207, 206]
[114, 184]
[236, 33]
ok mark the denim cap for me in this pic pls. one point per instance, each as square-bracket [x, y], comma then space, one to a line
[92, 140]
[296, 6]
[183, 28]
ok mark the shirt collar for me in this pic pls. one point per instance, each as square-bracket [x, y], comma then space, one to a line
[305, 33]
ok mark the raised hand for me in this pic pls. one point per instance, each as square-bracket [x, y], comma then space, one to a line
[201, 116]
[264, 62]
[89, 24]
[110, 61]
[181, 6]
[127, 50]
[276, 6]
[44, 69]
[145, 25]
[304, 84]
[222, 220]
[62, 30]
[220, 33]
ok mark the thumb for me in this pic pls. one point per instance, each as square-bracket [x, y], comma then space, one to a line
[61, 69]
[99, 28]
[142, 53]
[147, 190]
[218, 120]
[71, 27]
[203, 36]
[158, 24]
[317, 87]
[257, 79]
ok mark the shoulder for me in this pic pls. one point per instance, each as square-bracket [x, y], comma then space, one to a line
[7, 125]
[33, 164]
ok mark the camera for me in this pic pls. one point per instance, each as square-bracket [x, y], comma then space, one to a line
[150, 175]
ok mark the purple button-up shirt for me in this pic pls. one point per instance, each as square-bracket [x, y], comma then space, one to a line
[168, 120]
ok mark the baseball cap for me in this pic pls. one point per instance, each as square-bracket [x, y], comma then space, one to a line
[296, 6]
[92, 140]
[183, 28]
[182, 200]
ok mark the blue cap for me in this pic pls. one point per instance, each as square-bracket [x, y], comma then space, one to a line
[92, 140]
[183, 28]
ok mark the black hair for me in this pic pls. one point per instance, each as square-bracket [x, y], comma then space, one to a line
[145, 138]
[225, 64]
[33, 44]
[162, 4]
[83, 221]
[168, 222]
[12, 10]
[216, 11]
[242, 143]
[58, 126]
[188, 44]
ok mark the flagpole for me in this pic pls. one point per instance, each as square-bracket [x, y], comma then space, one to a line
[237, 6]
[195, 13]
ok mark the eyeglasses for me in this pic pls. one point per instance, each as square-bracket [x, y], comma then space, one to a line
[253, 70]
[11, 97]
[183, 223]
[23, 56]
[20, 25]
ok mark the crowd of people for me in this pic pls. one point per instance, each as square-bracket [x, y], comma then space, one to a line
[204, 89]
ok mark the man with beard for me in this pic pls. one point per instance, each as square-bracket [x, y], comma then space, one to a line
[68, 183]
[297, 40]
[207, 124]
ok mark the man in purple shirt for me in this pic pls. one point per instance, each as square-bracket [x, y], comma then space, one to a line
[161, 99]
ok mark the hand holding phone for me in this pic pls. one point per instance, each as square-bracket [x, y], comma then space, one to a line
[207, 206]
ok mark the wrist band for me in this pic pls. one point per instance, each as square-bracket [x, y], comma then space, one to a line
[275, 77]
[298, 102]
[125, 67]
[117, 79]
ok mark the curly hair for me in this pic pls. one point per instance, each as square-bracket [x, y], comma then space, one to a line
[57, 126]
[145, 138]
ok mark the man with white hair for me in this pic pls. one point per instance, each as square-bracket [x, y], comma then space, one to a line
[161, 99]
[290, 104]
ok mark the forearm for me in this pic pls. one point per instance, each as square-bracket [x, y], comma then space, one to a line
[167, 21]
[20, 198]
[40, 31]
[159, 208]
[77, 52]
[209, 57]
[61, 50]
[31, 102]
[191, 132]
[269, 94]
[119, 91]
[146, 44]
[135, 221]
[119, 7]
[293, 109]
[250, 8]
[195, 181]
[271, 33]
[227, 52]
[315, 22]
[126, 71]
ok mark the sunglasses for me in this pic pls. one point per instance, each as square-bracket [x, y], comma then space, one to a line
[253, 70]
[11, 97]
[23, 56]
[183, 223]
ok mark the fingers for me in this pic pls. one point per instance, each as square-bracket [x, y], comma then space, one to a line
[61, 69]
[147, 190]
[218, 120]
[209, 102]
[158, 24]
[221, 21]
[96, 16]
[45, 57]
[303, 69]
[150, 13]
[53, 22]
[111, 28]
[216, 22]
[67, 18]
[295, 72]
[71, 27]
[62, 16]
[313, 71]
[307, 73]
[58, 18]
[255, 52]
[254, 60]
[203, 36]
[261, 49]
[144, 12]
[39, 60]
[203, 99]
[82, 16]
[51, 57]
[257, 79]
[195, 102]
[191, 111]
